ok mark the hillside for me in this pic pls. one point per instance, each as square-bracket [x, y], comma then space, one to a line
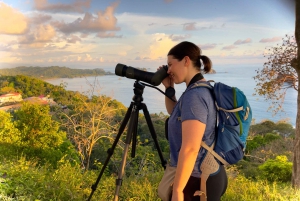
[52, 72]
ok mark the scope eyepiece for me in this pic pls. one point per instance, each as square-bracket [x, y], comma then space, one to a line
[152, 78]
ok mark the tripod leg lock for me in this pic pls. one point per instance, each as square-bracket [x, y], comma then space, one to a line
[94, 186]
[110, 151]
[119, 182]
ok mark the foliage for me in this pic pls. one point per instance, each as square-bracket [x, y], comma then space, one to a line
[8, 132]
[283, 128]
[277, 170]
[261, 140]
[278, 73]
[266, 140]
[51, 72]
[34, 134]
[37, 129]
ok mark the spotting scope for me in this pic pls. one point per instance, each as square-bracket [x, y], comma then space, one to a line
[154, 78]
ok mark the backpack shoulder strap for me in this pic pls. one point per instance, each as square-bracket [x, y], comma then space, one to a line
[215, 154]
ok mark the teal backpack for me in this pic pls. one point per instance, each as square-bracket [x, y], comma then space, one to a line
[233, 122]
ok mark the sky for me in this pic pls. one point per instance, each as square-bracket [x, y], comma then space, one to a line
[89, 34]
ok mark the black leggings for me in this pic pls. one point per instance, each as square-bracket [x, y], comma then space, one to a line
[215, 187]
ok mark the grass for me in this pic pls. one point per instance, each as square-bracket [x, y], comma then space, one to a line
[24, 180]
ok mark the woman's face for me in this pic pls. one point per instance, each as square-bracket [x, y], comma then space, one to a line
[176, 69]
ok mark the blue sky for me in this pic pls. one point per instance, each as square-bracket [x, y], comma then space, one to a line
[139, 33]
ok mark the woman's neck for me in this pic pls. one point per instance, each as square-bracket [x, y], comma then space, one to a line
[194, 78]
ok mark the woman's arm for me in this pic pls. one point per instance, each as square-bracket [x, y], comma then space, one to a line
[192, 134]
[170, 104]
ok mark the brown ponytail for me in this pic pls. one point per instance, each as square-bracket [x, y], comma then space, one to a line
[206, 62]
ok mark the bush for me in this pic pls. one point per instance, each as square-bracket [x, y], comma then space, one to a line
[277, 170]
[261, 140]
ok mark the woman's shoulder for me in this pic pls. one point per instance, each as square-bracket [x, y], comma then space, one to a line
[201, 88]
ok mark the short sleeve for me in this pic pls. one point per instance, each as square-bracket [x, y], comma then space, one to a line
[195, 104]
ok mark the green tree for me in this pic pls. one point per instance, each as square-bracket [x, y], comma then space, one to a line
[280, 73]
[37, 128]
[8, 132]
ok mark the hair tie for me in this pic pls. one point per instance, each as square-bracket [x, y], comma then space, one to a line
[199, 57]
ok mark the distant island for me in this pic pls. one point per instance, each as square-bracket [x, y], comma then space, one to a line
[52, 72]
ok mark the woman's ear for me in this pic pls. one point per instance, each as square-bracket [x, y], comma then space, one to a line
[187, 61]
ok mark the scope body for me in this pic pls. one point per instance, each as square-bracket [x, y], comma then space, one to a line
[132, 73]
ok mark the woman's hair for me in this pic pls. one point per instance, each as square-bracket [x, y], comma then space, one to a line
[191, 50]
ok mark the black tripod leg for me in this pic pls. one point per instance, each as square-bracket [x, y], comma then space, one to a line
[110, 151]
[134, 135]
[153, 134]
[131, 128]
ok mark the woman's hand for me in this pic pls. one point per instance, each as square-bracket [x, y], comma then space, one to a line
[168, 81]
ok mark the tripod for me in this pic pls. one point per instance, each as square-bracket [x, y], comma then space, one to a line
[132, 114]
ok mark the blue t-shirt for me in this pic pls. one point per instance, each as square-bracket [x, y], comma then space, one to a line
[196, 104]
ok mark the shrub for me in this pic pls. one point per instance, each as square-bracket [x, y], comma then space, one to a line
[260, 140]
[279, 169]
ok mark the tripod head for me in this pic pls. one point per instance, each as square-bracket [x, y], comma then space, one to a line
[138, 91]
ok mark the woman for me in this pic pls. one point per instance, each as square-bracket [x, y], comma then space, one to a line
[192, 120]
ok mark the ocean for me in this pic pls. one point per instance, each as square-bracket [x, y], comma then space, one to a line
[121, 89]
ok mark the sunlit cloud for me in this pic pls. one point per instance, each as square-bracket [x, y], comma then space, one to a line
[12, 21]
[160, 48]
[270, 40]
[240, 42]
[41, 33]
[103, 21]
[77, 6]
